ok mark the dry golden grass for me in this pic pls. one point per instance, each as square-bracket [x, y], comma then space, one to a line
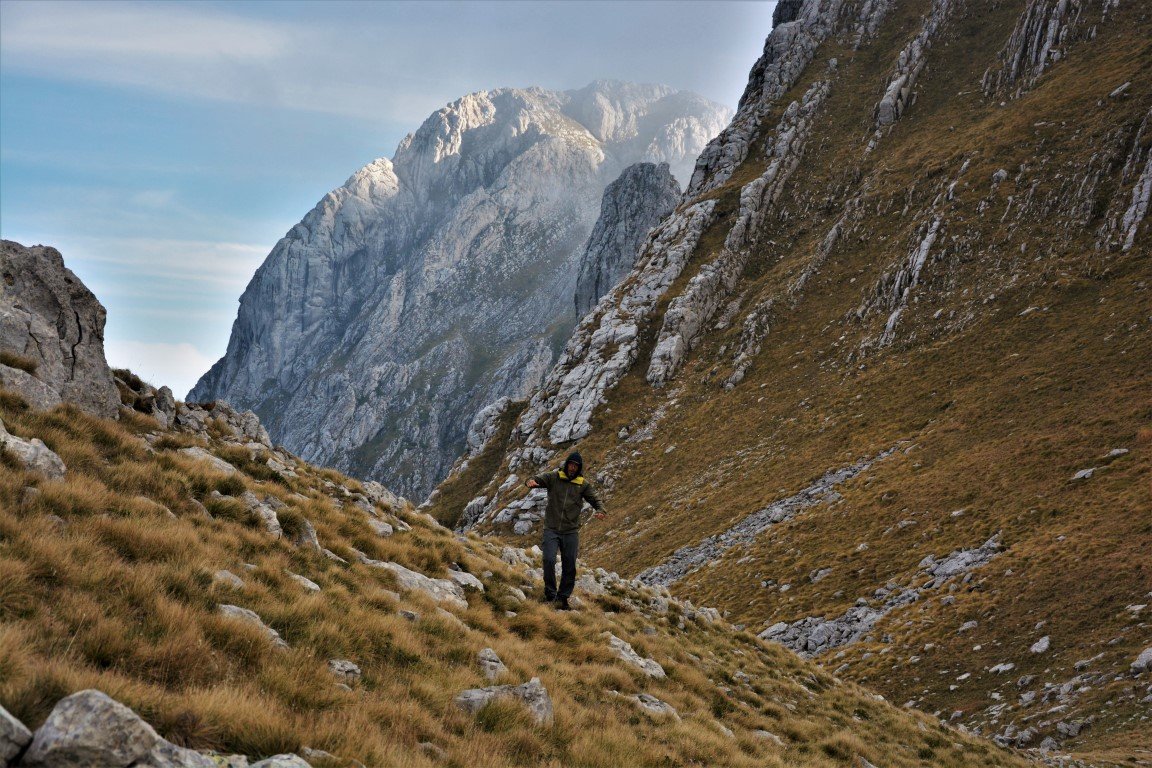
[996, 412]
[117, 593]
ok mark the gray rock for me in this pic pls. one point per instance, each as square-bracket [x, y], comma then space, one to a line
[654, 706]
[473, 229]
[346, 671]
[625, 652]
[466, 580]
[243, 614]
[304, 582]
[534, 696]
[305, 537]
[33, 454]
[768, 736]
[632, 205]
[1042, 645]
[380, 528]
[228, 579]
[523, 527]
[49, 317]
[1143, 662]
[14, 737]
[282, 761]
[1084, 474]
[267, 515]
[490, 664]
[90, 730]
[440, 590]
[217, 463]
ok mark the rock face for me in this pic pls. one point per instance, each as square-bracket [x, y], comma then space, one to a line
[52, 333]
[632, 205]
[33, 454]
[366, 316]
[534, 696]
[90, 730]
[14, 736]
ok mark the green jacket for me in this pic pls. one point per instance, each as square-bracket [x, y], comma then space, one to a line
[566, 498]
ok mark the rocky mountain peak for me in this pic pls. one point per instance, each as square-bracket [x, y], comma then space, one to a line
[356, 340]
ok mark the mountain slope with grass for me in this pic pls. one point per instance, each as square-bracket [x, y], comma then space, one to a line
[178, 592]
[132, 573]
[879, 387]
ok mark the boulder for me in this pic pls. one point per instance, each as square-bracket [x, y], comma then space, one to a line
[440, 590]
[282, 761]
[13, 737]
[490, 664]
[52, 333]
[1042, 645]
[1143, 662]
[304, 582]
[346, 671]
[466, 580]
[534, 696]
[243, 614]
[380, 528]
[90, 730]
[33, 454]
[217, 463]
[654, 706]
[228, 579]
[626, 653]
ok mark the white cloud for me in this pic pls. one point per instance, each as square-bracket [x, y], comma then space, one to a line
[184, 264]
[178, 366]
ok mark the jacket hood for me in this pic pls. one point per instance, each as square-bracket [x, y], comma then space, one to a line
[574, 456]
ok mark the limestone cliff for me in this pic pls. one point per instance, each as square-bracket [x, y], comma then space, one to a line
[52, 333]
[877, 384]
[632, 205]
[435, 283]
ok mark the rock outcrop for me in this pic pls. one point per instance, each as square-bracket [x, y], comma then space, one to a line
[33, 454]
[632, 205]
[52, 333]
[532, 694]
[432, 285]
[90, 730]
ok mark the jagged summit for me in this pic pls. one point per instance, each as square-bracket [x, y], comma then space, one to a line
[871, 386]
[433, 284]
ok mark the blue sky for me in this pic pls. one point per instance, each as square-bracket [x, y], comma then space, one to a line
[164, 147]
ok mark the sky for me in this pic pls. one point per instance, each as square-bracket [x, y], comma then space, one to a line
[164, 147]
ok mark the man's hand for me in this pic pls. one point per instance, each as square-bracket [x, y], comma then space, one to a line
[532, 483]
[599, 514]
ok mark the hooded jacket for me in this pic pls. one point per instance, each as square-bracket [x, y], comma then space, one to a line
[566, 496]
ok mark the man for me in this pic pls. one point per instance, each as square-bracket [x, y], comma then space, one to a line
[567, 492]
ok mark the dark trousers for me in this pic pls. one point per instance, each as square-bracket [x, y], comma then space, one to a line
[569, 544]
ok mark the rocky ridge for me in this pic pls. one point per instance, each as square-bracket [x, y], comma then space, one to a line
[52, 333]
[474, 229]
[632, 205]
[956, 265]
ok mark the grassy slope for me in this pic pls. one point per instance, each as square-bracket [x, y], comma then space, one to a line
[120, 597]
[1001, 409]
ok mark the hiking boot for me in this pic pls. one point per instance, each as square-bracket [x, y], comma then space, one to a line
[562, 604]
[545, 599]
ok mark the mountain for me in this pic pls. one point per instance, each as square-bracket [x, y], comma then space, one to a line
[879, 385]
[632, 205]
[178, 593]
[435, 283]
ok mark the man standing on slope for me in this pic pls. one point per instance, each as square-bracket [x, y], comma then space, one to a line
[567, 492]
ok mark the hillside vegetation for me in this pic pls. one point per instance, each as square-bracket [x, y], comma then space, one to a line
[979, 380]
[111, 578]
